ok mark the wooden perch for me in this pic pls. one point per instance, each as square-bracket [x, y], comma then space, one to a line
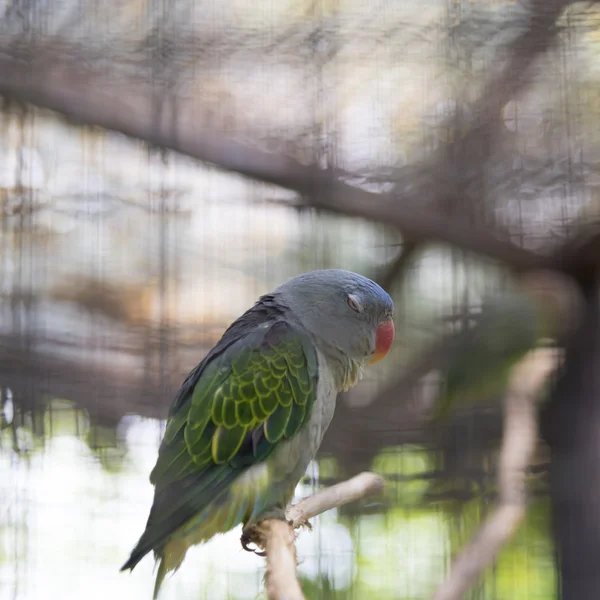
[277, 537]
[359, 486]
[518, 445]
[277, 540]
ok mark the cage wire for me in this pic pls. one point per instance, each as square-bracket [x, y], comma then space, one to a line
[122, 264]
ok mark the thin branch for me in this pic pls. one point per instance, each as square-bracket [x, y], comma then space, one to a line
[355, 488]
[397, 268]
[518, 446]
[276, 537]
[540, 35]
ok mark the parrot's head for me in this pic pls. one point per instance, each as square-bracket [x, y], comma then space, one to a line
[343, 311]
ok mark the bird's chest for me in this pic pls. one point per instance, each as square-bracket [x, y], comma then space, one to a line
[291, 459]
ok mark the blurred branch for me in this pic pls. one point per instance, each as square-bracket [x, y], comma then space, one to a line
[396, 269]
[51, 79]
[46, 75]
[128, 106]
[518, 445]
[474, 147]
[580, 255]
[277, 537]
[106, 392]
[570, 422]
[534, 40]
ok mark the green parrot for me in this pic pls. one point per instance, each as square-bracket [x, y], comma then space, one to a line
[542, 306]
[251, 416]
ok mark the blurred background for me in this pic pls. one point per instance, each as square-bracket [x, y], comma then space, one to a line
[162, 164]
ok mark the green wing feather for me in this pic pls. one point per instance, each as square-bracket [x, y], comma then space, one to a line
[233, 411]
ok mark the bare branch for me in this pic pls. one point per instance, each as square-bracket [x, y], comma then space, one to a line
[277, 537]
[580, 255]
[128, 106]
[359, 486]
[105, 391]
[518, 445]
[522, 53]
[394, 271]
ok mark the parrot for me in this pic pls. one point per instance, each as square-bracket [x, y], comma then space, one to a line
[250, 417]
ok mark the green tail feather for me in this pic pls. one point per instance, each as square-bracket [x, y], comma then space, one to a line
[160, 577]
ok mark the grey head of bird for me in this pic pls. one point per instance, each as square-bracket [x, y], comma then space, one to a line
[348, 316]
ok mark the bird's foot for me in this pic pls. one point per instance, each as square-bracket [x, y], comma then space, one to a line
[252, 534]
[274, 514]
[306, 524]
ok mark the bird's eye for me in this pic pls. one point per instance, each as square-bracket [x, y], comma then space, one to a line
[354, 304]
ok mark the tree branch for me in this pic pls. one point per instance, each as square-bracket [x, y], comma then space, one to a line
[128, 106]
[277, 540]
[105, 391]
[518, 445]
[359, 486]
[277, 537]
[397, 268]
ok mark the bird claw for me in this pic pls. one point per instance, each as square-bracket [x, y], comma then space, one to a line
[250, 534]
[304, 524]
[246, 540]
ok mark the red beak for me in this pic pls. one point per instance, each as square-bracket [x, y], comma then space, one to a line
[384, 336]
